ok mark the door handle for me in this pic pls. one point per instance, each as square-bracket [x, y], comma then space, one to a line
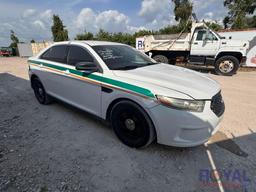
[106, 90]
[195, 43]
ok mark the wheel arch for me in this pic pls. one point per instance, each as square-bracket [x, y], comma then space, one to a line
[117, 100]
[32, 77]
[235, 54]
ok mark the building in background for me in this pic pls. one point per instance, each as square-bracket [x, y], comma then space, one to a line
[32, 49]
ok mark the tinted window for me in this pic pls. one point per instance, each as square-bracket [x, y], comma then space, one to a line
[78, 54]
[56, 53]
[201, 35]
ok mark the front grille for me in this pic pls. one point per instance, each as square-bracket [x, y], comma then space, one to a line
[217, 104]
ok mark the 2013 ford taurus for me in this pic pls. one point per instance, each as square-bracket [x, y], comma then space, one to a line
[142, 99]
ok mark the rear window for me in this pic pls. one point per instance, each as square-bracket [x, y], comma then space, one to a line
[56, 53]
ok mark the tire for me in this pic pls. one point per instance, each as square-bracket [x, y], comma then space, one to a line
[227, 65]
[161, 59]
[132, 125]
[40, 93]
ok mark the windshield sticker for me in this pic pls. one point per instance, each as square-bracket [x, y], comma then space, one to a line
[108, 54]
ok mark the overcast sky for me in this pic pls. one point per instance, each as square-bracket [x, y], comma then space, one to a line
[32, 19]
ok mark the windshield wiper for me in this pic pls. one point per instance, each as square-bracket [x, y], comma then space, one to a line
[152, 63]
[129, 67]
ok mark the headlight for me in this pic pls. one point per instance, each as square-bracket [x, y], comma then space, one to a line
[189, 105]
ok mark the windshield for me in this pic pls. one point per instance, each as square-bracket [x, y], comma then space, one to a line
[220, 37]
[122, 57]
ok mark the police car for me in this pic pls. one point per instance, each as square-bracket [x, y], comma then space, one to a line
[142, 99]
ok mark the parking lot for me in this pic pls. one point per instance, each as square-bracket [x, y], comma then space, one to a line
[60, 148]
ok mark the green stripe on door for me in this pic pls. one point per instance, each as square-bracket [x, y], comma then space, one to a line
[116, 83]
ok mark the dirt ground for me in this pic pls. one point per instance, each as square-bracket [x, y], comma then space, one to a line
[60, 148]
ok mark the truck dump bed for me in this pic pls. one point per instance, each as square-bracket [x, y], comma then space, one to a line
[173, 42]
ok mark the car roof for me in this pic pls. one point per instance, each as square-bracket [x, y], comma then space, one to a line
[91, 43]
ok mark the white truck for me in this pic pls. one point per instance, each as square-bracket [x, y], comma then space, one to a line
[202, 46]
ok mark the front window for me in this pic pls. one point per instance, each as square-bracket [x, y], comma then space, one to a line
[78, 54]
[122, 57]
[203, 35]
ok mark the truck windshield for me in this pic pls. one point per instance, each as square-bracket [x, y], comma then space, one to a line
[220, 37]
[122, 57]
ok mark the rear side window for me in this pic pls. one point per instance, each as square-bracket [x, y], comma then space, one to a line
[78, 54]
[56, 53]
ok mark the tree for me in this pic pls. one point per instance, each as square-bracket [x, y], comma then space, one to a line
[252, 22]
[142, 33]
[14, 40]
[239, 11]
[32, 41]
[172, 29]
[103, 35]
[182, 10]
[214, 26]
[84, 36]
[58, 29]
[226, 22]
[125, 38]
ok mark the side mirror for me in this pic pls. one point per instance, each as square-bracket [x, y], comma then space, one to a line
[87, 67]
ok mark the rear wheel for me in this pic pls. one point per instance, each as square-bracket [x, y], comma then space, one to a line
[131, 124]
[40, 92]
[227, 65]
[161, 59]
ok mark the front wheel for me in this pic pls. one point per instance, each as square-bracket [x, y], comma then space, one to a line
[131, 124]
[227, 65]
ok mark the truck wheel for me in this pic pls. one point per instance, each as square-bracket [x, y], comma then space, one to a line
[40, 93]
[161, 59]
[131, 124]
[227, 65]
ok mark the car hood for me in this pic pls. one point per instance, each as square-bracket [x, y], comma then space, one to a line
[188, 82]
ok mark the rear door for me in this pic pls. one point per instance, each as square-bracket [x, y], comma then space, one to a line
[52, 75]
[63, 81]
[204, 43]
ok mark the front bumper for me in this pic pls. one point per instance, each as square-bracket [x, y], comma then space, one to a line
[183, 128]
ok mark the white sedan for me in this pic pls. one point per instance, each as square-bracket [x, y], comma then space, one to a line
[143, 100]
